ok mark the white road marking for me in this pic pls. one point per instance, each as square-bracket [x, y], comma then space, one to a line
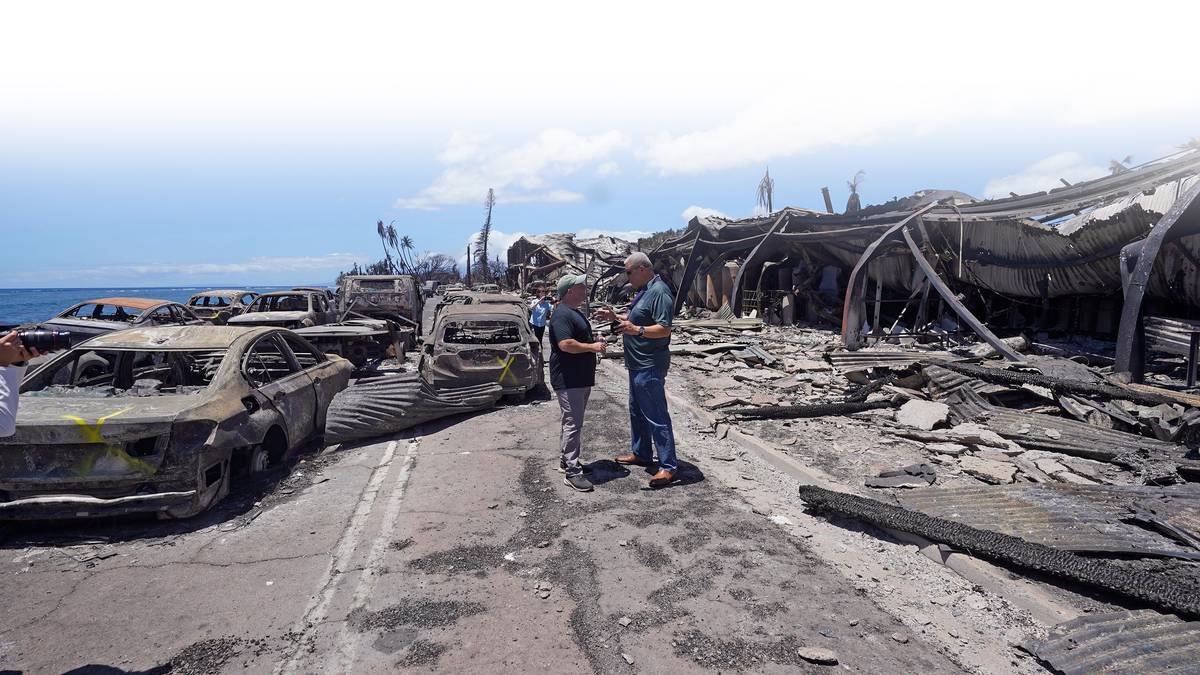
[318, 607]
[345, 650]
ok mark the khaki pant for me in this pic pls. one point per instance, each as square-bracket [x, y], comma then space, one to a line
[572, 403]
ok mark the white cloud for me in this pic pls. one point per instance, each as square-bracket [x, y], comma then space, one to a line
[498, 243]
[700, 212]
[627, 235]
[259, 267]
[1045, 175]
[609, 168]
[519, 174]
[253, 265]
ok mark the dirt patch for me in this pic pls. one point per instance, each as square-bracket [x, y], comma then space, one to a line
[421, 613]
[204, 657]
[736, 653]
[402, 544]
[422, 653]
[694, 539]
[765, 609]
[574, 570]
[460, 559]
[651, 555]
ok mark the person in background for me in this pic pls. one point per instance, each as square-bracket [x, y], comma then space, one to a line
[539, 313]
[646, 332]
[573, 350]
[13, 356]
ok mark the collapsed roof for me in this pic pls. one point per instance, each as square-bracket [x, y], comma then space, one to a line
[1068, 242]
[546, 257]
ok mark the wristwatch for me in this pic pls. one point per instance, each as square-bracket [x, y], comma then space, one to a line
[641, 331]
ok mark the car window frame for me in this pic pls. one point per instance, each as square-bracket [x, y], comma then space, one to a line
[283, 349]
[286, 339]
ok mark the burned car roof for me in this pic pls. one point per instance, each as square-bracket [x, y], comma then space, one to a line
[176, 337]
[135, 303]
[223, 292]
[514, 309]
[298, 291]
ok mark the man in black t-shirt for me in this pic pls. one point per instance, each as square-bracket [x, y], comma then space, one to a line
[573, 352]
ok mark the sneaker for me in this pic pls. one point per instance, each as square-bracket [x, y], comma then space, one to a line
[578, 482]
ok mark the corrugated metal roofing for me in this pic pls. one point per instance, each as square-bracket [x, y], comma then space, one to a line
[1005, 246]
[847, 361]
[1057, 434]
[1066, 517]
[1142, 641]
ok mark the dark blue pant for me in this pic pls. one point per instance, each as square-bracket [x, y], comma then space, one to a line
[648, 417]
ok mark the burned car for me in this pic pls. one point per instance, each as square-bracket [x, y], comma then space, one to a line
[288, 309]
[394, 298]
[219, 306]
[480, 344]
[105, 315]
[156, 419]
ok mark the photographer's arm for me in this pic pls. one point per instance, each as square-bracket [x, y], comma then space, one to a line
[11, 351]
[10, 387]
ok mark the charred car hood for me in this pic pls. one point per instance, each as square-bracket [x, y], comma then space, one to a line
[69, 419]
[272, 317]
[93, 325]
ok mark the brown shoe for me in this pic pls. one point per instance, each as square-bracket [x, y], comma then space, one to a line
[630, 458]
[662, 479]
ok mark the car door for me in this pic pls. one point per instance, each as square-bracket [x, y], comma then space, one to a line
[280, 383]
[326, 380]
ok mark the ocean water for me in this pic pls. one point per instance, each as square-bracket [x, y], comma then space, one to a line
[30, 305]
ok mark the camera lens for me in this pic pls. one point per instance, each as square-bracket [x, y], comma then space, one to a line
[44, 340]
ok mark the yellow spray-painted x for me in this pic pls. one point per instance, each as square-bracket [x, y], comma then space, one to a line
[93, 435]
[507, 364]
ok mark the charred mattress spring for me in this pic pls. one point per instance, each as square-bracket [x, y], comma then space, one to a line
[1003, 548]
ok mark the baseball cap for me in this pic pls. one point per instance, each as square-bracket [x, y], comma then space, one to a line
[566, 282]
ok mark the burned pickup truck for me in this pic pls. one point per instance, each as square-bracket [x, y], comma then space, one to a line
[481, 344]
[157, 419]
[378, 316]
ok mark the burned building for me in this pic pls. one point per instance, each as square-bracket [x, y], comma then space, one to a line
[543, 258]
[1114, 257]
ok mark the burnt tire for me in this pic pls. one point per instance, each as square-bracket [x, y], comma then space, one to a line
[274, 444]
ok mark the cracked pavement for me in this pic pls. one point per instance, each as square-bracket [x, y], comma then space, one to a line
[457, 548]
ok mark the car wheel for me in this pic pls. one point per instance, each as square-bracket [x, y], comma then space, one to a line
[260, 459]
[274, 444]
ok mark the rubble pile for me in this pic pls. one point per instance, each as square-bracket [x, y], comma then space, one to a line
[1048, 455]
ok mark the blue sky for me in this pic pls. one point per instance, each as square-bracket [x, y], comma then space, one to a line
[142, 145]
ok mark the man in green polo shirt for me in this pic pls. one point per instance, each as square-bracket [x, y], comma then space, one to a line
[646, 332]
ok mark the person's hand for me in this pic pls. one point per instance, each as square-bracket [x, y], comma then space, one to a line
[597, 347]
[605, 314]
[12, 351]
[626, 328]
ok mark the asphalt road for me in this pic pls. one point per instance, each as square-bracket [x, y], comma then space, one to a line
[454, 548]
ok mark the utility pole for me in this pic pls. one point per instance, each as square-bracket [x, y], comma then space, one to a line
[828, 201]
[468, 265]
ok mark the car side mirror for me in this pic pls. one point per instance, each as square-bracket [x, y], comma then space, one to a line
[428, 349]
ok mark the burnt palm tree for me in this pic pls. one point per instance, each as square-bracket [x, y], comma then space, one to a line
[766, 192]
[406, 251]
[383, 232]
[485, 233]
